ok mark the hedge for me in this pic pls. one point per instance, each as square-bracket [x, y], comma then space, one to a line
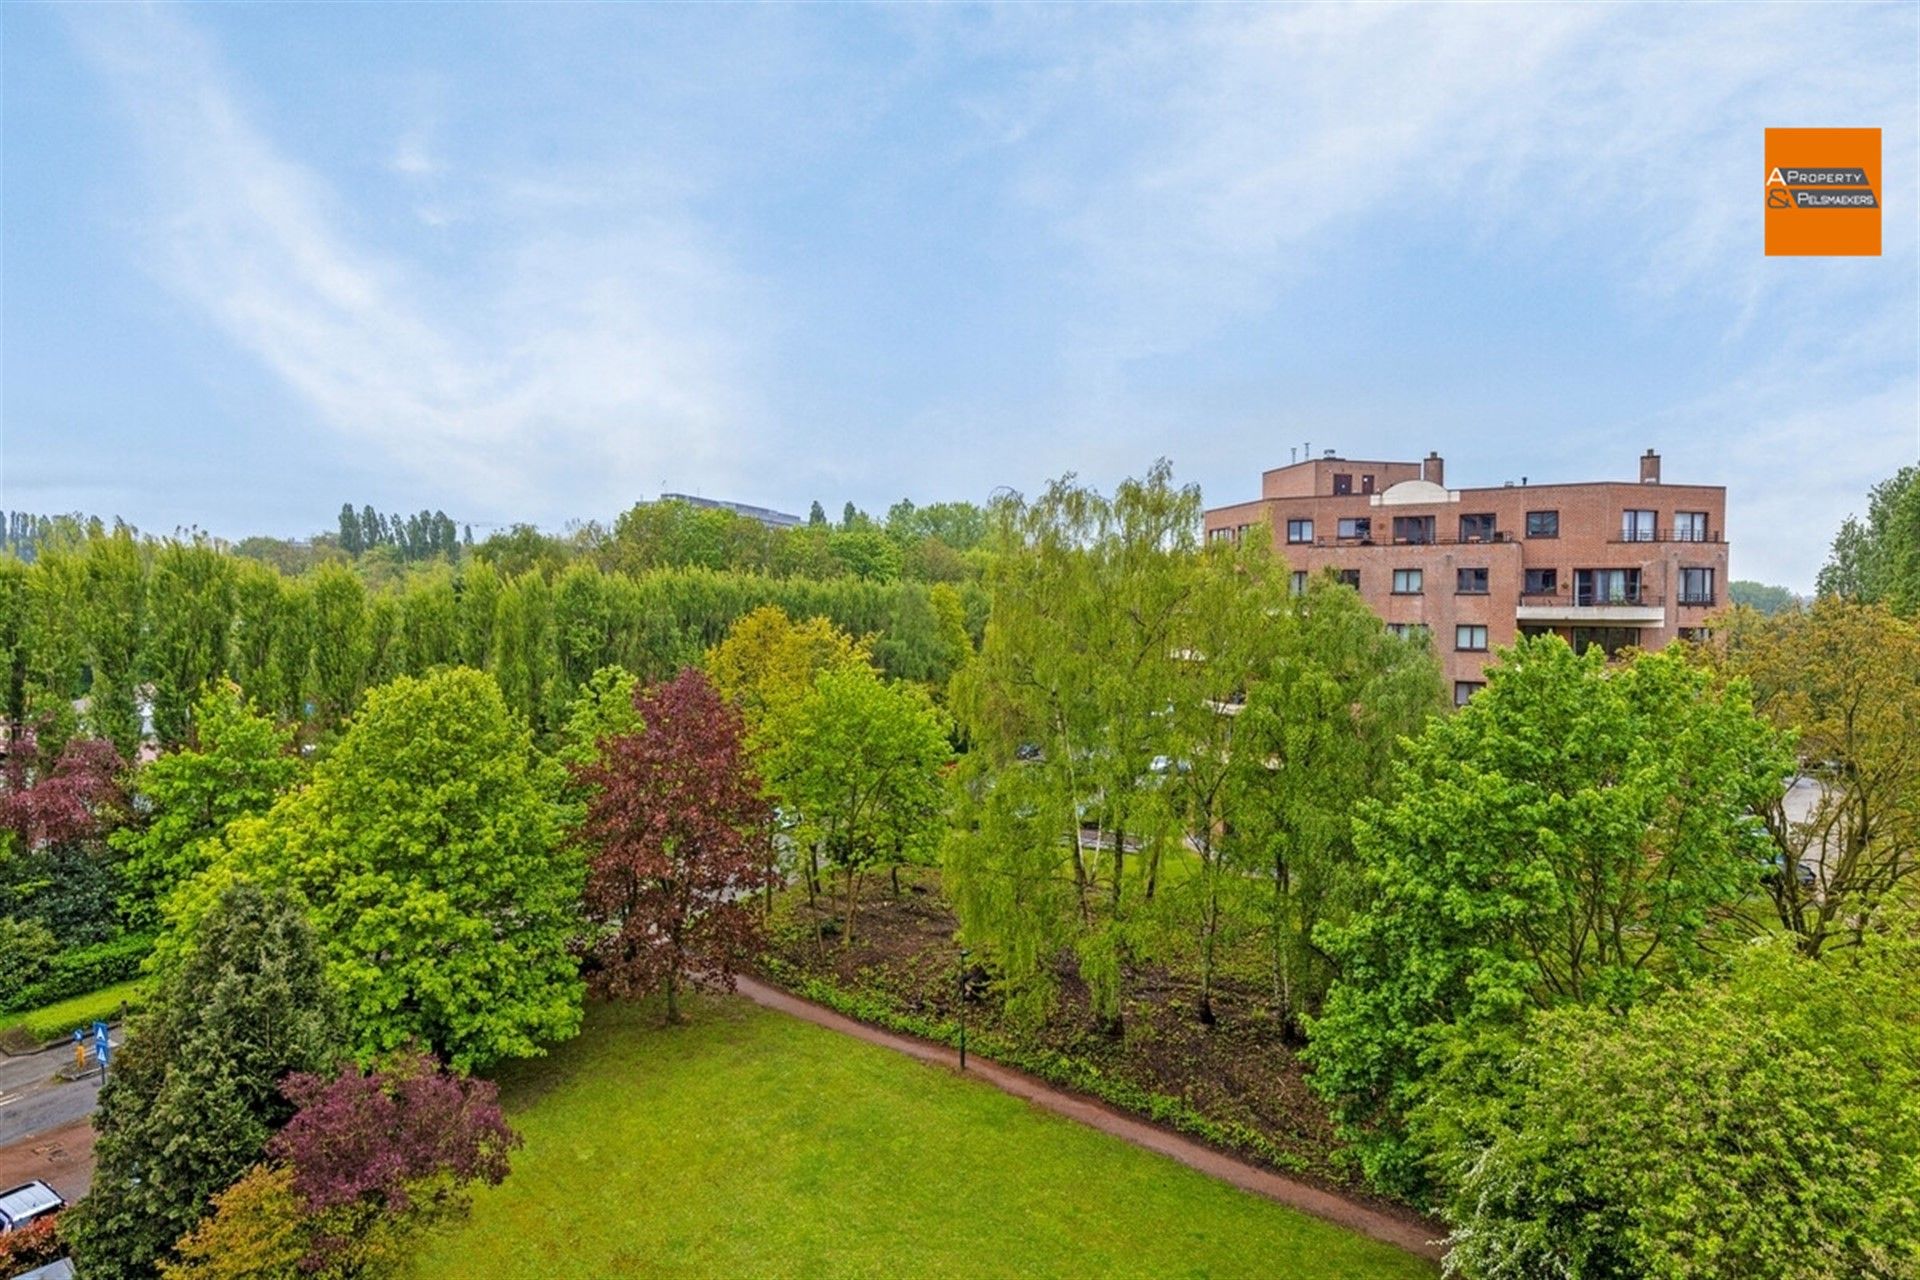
[83, 970]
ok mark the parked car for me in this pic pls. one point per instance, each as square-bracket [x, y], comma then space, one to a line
[26, 1203]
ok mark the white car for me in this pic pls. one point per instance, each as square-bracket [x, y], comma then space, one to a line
[26, 1203]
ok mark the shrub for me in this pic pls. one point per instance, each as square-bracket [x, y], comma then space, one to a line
[26, 949]
[33, 1245]
[82, 970]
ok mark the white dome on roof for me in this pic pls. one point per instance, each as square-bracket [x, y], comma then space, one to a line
[1413, 492]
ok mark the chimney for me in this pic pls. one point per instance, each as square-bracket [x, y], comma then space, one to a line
[1433, 469]
[1649, 467]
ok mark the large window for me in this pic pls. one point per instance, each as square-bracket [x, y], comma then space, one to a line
[1470, 582]
[1350, 578]
[1637, 526]
[1478, 528]
[1540, 582]
[1465, 689]
[1299, 531]
[1407, 582]
[1413, 528]
[1611, 639]
[1689, 526]
[1299, 582]
[1606, 586]
[1470, 636]
[1696, 586]
[1356, 527]
[1543, 524]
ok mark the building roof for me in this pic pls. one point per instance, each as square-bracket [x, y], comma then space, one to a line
[765, 515]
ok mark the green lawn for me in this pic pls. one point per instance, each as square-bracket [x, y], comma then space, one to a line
[750, 1144]
[57, 1020]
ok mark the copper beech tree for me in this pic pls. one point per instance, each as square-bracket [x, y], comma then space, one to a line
[677, 833]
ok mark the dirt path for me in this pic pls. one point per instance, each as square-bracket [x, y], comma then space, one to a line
[62, 1158]
[1403, 1230]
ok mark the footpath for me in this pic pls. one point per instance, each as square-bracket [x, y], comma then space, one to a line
[1404, 1230]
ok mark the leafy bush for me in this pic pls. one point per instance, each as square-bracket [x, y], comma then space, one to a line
[38, 1026]
[26, 948]
[1760, 1126]
[83, 970]
[33, 1245]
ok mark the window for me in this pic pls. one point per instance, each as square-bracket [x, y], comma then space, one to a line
[1606, 586]
[1220, 535]
[1342, 483]
[1695, 635]
[1611, 639]
[1478, 528]
[1366, 484]
[1464, 689]
[1241, 536]
[1689, 526]
[1350, 578]
[1299, 531]
[1299, 582]
[1413, 528]
[1543, 524]
[1470, 637]
[1637, 526]
[1406, 582]
[1411, 631]
[1470, 582]
[1540, 582]
[1696, 586]
[1356, 527]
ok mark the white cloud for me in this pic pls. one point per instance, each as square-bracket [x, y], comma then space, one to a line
[594, 364]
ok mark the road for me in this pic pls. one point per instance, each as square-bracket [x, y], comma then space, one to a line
[33, 1099]
[44, 1127]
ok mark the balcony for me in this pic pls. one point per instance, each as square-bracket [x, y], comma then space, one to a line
[1663, 534]
[1629, 608]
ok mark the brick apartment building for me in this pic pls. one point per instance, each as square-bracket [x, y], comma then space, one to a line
[1612, 563]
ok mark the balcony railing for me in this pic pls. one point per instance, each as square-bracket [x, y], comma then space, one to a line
[1382, 540]
[1695, 598]
[1592, 599]
[1663, 534]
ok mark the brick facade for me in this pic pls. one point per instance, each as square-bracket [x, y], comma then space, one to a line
[1580, 567]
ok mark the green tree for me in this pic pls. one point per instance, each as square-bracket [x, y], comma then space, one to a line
[1879, 561]
[1575, 834]
[430, 855]
[195, 1092]
[115, 623]
[192, 613]
[1291, 709]
[1844, 678]
[768, 662]
[859, 762]
[1065, 710]
[237, 764]
[54, 638]
[1763, 1126]
[341, 645]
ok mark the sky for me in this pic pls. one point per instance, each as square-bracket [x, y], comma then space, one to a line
[537, 263]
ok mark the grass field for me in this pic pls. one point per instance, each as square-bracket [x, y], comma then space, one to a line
[749, 1144]
[58, 1020]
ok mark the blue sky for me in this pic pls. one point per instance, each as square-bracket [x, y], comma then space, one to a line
[538, 262]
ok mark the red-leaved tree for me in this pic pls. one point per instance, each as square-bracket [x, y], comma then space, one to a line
[677, 831]
[71, 798]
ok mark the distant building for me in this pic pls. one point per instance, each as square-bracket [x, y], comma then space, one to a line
[1609, 563]
[765, 515]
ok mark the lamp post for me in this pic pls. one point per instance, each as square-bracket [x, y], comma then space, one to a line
[961, 992]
